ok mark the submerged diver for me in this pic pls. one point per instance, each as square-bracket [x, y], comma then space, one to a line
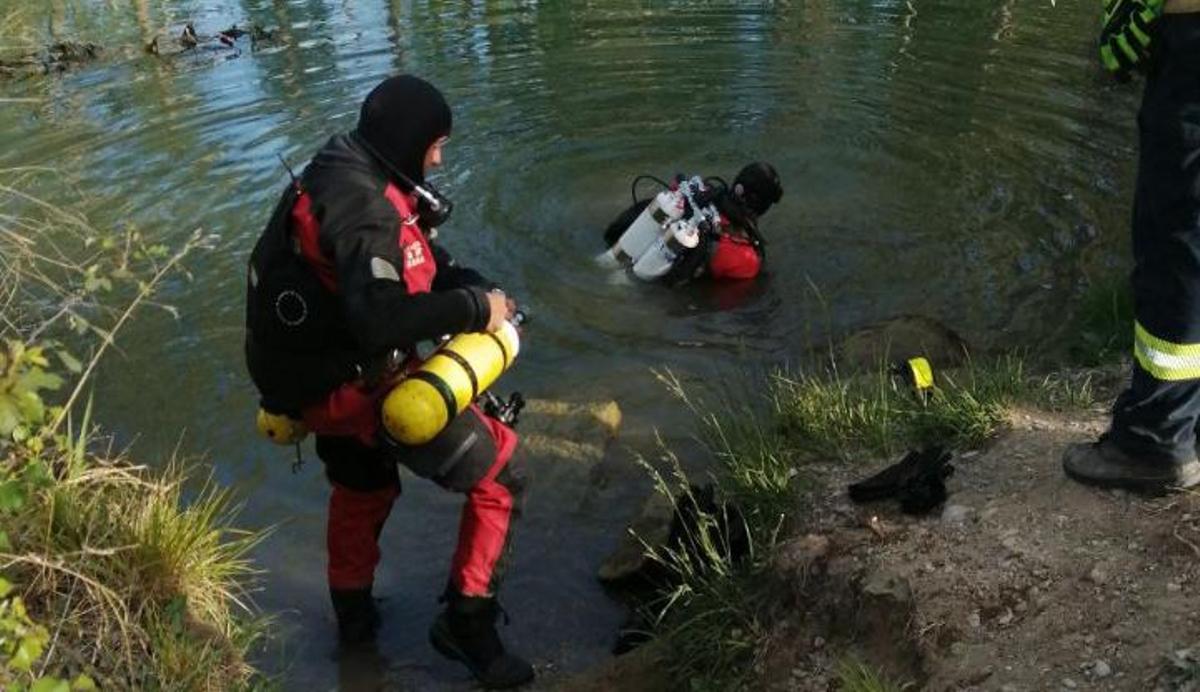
[343, 284]
[696, 228]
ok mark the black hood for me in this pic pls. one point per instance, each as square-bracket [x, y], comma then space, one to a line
[758, 187]
[400, 118]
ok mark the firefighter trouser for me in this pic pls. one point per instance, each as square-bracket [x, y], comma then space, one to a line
[473, 455]
[1156, 417]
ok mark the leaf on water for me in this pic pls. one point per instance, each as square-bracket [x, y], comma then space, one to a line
[70, 362]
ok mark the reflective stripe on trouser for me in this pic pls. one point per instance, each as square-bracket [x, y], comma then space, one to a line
[1164, 360]
[1156, 417]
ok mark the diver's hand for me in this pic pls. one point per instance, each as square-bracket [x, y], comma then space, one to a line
[1126, 36]
[500, 308]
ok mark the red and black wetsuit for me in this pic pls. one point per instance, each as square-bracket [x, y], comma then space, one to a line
[343, 276]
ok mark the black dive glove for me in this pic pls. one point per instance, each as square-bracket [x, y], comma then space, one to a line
[1127, 33]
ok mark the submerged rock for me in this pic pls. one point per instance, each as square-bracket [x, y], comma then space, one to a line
[676, 526]
[578, 434]
[901, 338]
[652, 527]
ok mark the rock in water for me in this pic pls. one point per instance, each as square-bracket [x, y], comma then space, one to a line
[901, 338]
[651, 527]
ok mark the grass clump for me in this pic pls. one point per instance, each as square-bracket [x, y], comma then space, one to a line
[712, 614]
[138, 586]
[110, 573]
[836, 416]
[755, 468]
[856, 676]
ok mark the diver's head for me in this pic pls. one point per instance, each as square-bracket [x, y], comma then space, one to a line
[757, 186]
[405, 120]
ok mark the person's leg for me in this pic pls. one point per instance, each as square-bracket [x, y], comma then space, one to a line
[493, 503]
[474, 456]
[365, 486]
[1151, 443]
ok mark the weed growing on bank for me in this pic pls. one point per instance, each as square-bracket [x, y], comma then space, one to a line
[137, 586]
[110, 573]
[856, 676]
[755, 468]
[713, 613]
[830, 415]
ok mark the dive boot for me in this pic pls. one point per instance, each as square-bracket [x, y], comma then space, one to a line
[1104, 465]
[466, 632]
[357, 617]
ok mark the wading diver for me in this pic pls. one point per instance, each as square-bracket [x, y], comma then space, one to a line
[343, 284]
[695, 228]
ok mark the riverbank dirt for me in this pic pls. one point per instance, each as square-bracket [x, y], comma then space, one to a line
[1023, 581]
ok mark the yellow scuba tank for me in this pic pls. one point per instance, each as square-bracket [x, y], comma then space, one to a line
[425, 402]
[280, 428]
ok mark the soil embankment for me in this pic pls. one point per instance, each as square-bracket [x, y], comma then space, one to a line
[1023, 581]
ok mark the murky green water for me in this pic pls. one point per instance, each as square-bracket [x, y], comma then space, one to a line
[941, 158]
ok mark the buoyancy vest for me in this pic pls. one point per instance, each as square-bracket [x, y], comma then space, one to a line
[734, 258]
[299, 348]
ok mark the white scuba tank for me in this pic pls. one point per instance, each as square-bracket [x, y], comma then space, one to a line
[666, 207]
[682, 235]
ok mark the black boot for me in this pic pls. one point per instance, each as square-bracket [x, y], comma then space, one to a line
[356, 615]
[466, 631]
[1105, 465]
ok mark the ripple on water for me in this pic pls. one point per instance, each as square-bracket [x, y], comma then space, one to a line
[935, 155]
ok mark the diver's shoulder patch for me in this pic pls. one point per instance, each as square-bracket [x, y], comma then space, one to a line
[383, 269]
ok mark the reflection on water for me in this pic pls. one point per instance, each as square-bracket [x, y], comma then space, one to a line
[938, 157]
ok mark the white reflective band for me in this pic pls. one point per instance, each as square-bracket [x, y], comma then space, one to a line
[1165, 360]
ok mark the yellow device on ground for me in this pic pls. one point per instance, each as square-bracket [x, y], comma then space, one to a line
[917, 374]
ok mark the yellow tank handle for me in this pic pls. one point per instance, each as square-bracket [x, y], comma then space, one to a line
[425, 402]
[279, 428]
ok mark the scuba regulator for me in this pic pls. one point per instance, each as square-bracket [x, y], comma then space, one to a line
[433, 208]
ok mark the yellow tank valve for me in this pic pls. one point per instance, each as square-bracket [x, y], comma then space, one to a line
[280, 429]
[425, 402]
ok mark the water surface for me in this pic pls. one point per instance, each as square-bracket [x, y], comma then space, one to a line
[942, 158]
